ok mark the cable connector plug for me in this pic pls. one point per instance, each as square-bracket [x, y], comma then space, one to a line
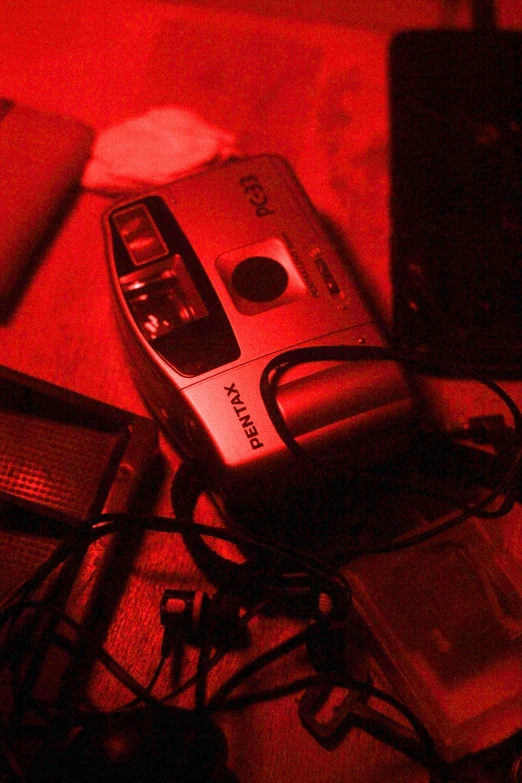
[181, 613]
[192, 616]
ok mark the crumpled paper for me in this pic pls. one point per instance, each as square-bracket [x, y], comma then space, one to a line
[155, 148]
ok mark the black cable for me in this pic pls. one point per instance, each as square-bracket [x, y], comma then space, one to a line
[270, 694]
[156, 674]
[411, 488]
[105, 658]
[340, 681]
[218, 655]
[107, 524]
[222, 702]
[187, 486]
[248, 670]
[360, 353]
[142, 693]
[190, 479]
[60, 554]
[203, 664]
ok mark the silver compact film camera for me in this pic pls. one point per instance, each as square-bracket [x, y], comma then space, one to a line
[217, 274]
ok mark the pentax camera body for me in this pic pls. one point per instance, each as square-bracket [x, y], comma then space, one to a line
[215, 275]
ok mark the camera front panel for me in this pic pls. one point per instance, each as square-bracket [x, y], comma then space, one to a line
[214, 275]
[228, 266]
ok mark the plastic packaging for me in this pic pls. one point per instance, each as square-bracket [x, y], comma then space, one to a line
[445, 620]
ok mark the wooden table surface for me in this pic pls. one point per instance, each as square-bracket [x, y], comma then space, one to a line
[315, 93]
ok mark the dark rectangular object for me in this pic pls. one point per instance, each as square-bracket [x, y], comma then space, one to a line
[64, 458]
[42, 157]
[456, 201]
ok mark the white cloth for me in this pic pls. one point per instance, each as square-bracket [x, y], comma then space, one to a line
[153, 149]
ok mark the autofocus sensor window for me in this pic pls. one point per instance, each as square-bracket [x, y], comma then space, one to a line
[260, 279]
[261, 276]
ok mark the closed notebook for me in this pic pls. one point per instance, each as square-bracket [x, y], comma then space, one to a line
[42, 157]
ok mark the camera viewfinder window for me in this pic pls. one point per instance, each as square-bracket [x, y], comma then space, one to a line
[140, 236]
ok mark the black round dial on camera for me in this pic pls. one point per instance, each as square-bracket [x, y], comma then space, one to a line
[260, 279]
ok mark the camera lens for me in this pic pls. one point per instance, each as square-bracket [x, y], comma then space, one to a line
[260, 279]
